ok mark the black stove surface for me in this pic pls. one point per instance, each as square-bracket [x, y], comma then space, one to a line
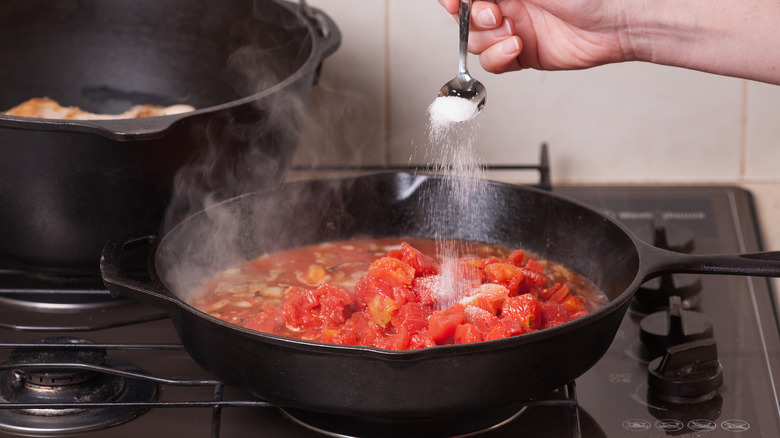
[742, 311]
[610, 400]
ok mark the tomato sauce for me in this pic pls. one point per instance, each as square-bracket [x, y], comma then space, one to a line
[398, 293]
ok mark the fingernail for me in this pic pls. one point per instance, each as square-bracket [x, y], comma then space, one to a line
[510, 46]
[486, 18]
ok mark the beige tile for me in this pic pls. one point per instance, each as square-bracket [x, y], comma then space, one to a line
[762, 157]
[630, 122]
[345, 124]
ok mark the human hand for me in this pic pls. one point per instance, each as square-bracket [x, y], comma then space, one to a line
[545, 34]
[726, 37]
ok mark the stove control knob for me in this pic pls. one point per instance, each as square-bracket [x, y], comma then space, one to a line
[661, 330]
[688, 373]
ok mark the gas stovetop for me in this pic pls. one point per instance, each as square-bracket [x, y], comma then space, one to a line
[740, 311]
[155, 389]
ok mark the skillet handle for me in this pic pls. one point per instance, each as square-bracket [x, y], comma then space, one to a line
[119, 283]
[657, 261]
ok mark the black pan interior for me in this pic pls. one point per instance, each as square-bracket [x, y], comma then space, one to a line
[105, 56]
[396, 204]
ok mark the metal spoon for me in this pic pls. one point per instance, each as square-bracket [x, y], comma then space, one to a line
[463, 85]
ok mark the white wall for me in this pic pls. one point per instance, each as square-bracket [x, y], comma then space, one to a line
[620, 123]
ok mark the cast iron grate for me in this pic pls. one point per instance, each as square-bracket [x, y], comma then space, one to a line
[543, 167]
[562, 397]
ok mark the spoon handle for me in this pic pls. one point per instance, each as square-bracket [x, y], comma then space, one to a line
[464, 21]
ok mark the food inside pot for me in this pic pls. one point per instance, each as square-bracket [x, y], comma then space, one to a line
[398, 293]
[46, 108]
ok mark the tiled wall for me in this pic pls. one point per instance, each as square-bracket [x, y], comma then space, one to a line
[619, 123]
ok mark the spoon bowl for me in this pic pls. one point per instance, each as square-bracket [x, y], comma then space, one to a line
[463, 85]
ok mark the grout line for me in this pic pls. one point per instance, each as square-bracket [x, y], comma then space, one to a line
[743, 132]
[385, 140]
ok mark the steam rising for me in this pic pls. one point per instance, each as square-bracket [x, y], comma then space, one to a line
[241, 150]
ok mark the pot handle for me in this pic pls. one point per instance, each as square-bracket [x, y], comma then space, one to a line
[150, 291]
[327, 35]
[657, 261]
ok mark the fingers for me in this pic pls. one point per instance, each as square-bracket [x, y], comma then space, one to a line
[450, 5]
[491, 36]
[485, 15]
[502, 56]
[480, 40]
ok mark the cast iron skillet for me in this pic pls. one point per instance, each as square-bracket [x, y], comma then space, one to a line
[392, 385]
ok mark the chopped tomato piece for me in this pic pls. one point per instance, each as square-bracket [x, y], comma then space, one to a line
[366, 331]
[442, 323]
[560, 294]
[411, 316]
[333, 310]
[340, 336]
[501, 273]
[480, 302]
[403, 295]
[465, 333]
[426, 289]
[269, 320]
[505, 274]
[422, 264]
[552, 314]
[523, 308]
[367, 287]
[393, 271]
[574, 304]
[516, 257]
[534, 266]
[298, 309]
[398, 341]
[480, 319]
[482, 263]
[421, 340]
[381, 308]
[533, 282]
[505, 328]
[488, 297]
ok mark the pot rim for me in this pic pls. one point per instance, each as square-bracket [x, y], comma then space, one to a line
[325, 38]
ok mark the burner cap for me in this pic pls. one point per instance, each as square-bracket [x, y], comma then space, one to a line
[70, 352]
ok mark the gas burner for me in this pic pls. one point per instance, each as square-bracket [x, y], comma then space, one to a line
[661, 330]
[46, 385]
[461, 425]
[653, 295]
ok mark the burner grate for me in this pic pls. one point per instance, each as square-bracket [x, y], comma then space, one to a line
[563, 397]
[542, 167]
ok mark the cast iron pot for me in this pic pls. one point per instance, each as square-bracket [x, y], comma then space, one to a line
[66, 187]
[395, 385]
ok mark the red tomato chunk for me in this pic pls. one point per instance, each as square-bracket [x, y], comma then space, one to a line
[361, 292]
